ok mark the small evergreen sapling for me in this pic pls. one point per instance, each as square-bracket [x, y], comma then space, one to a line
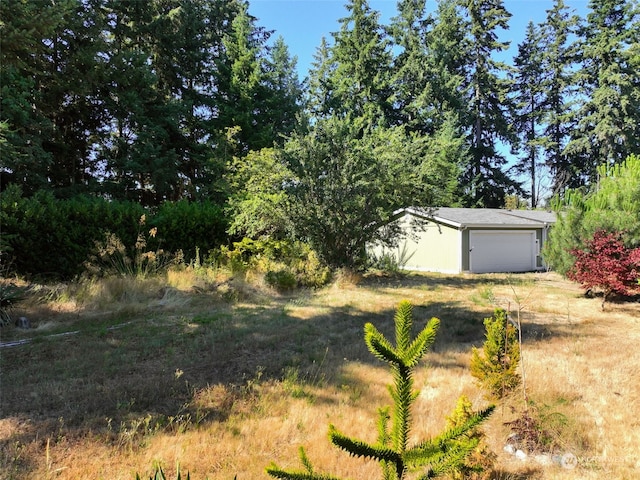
[445, 453]
[479, 464]
[495, 366]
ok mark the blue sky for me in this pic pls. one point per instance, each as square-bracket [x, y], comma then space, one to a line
[303, 23]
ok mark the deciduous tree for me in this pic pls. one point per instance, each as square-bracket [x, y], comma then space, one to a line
[605, 264]
[349, 178]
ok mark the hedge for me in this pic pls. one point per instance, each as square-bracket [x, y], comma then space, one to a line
[41, 236]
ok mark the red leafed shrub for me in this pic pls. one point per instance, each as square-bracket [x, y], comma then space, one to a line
[605, 264]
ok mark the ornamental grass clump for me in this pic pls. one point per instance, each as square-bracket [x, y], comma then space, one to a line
[430, 458]
[112, 257]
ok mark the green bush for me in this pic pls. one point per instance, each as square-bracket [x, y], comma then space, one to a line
[185, 226]
[45, 236]
[281, 280]
[284, 263]
[50, 237]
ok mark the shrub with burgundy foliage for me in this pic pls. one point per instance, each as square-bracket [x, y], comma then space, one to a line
[606, 265]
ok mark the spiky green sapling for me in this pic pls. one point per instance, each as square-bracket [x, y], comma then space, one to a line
[495, 366]
[432, 457]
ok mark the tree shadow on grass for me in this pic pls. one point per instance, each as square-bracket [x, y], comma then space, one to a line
[199, 368]
[435, 280]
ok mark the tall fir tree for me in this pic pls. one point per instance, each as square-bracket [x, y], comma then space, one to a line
[182, 45]
[24, 31]
[427, 74]
[136, 99]
[321, 101]
[362, 56]
[427, 93]
[239, 89]
[486, 182]
[50, 92]
[259, 90]
[140, 150]
[528, 96]
[558, 79]
[285, 91]
[634, 62]
[449, 47]
[609, 115]
[412, 96]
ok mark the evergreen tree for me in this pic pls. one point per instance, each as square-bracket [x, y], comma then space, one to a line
[558, 83]
[239, 88]
[449, 47]
[529, 98]
[141, 150]
[71, 97]
[49, 92]
[362, 57]
[258, 89]
[284, 92]
[609, 115]
[634, 63]
[412, 76]
[613, 204]
[427, 71]
[496, 365]
[487, 88]
[440, 160]
[427, 94]
[182, 43]
[135, 99]
[322, 101]
[23, 28]
[445, 453]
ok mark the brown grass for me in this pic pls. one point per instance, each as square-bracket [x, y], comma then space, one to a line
[223, 377]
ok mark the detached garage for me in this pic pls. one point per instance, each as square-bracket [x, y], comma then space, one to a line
[478, 240]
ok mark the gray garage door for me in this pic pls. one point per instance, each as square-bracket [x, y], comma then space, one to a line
[502, 251]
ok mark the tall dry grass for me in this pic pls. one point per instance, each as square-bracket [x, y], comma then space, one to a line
[222, 377]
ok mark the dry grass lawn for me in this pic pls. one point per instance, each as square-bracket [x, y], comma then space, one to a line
[225, 378]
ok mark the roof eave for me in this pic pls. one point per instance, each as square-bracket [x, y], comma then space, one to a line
[461, 226]
[426, 216]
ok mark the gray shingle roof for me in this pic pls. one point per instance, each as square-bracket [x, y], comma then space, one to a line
[484, 217]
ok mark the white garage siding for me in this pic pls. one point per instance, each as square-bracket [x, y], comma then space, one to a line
[502, 250]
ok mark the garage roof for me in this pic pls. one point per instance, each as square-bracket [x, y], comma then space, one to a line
[485, 217]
